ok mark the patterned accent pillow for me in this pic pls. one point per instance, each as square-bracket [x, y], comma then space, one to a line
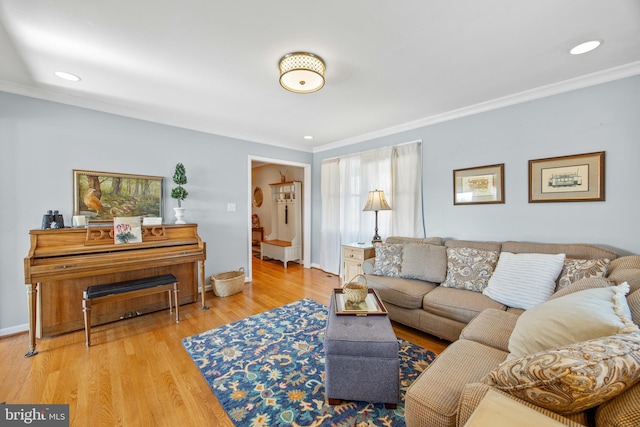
[388, 259]
[575, 377]
[576, 269]
[469, 268]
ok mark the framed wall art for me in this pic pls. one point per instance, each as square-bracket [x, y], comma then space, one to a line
[102, 196]
[478, 185]
[575, 178]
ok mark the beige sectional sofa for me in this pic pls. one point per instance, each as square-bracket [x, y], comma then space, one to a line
[486, 333]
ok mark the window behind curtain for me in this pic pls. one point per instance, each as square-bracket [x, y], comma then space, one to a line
[345, 186]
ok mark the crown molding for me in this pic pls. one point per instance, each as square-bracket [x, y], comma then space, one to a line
[586, 80]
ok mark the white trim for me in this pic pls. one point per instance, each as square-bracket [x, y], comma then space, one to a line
[587, 80]
[14, 330]
[306, 208]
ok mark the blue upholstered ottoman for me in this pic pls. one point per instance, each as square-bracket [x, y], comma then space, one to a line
[361, 359]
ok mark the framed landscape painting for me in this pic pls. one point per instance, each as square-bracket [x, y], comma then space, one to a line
[478, 185]
[576, 178]
[102, 196]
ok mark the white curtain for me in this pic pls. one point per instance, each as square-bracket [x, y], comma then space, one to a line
[330, 227]
[406, 164]
[345, 186]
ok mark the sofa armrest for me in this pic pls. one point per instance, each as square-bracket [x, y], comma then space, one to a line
[367, 265]
[492, 327]
[472, 395]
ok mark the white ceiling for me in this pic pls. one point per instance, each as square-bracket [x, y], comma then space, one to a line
[212, 65]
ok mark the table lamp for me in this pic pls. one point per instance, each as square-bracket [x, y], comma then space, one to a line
[376, 202]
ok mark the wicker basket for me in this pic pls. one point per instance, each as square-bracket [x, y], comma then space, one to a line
[229, 283]
[356, 290]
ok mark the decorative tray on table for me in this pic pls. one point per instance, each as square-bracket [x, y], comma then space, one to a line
[371, 306]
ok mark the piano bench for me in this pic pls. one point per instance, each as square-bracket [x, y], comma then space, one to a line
[119, 291]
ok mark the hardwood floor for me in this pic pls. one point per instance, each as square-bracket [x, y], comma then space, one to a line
[137, 373]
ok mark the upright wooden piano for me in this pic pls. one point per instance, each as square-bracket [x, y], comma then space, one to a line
[62, 263]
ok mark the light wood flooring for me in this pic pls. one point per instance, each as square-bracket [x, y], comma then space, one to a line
[137, 373]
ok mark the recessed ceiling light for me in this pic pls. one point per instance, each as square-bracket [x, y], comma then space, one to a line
[585, 47]
[67, 76]
[308, 137]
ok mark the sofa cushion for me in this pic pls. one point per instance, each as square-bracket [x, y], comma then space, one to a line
[420, 240]
[492, 327]
[583, 284]
[634, 305]
[580, 316]
[457, 304]
[524, 280]
[424, 262]
[388, 259]
[621, 411]
[432, 400]
[626, 269]
[406, 293]
[576, 269]
[575, 377]
[571, 250]
[469, 268]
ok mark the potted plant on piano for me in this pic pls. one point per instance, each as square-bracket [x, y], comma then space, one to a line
[179, 193]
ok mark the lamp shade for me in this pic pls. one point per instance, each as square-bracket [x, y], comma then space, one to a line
[377, 202]
[302, 72]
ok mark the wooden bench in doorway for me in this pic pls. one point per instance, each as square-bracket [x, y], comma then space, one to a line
[120, 291]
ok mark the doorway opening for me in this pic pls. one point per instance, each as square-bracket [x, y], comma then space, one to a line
[264, 171]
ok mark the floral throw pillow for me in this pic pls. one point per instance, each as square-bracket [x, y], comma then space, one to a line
[388, 259]
[576, 269]
[469, 268]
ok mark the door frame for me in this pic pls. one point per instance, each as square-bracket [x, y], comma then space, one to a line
[306, 208]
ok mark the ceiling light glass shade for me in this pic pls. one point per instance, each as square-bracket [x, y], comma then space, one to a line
[377, 202]
[585, 47]
[302, 72]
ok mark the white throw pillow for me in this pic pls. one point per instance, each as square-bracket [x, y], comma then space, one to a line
[580, 316]
[524, 280]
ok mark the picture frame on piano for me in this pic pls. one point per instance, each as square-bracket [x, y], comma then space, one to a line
[103, 196]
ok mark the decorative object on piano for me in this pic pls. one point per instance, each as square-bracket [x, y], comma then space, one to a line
[102, 196]
[79, 221]
[283, 176]
[52, 219]
[127, 229]
[152, 220]
[229, 283]
[179, 193]
[356, 290]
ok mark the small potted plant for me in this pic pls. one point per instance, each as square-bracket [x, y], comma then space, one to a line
[179, 193]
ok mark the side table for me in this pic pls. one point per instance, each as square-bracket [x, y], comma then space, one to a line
[353, 255]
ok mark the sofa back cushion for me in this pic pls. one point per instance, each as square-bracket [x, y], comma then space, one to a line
[421, 240]
[485, 246]
[571, 250]
[626, 269]
[424, 262]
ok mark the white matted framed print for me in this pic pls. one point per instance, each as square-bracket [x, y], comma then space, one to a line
[478, 185]
[575, 178]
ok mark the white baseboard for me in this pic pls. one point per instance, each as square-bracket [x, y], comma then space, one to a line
[14, 330]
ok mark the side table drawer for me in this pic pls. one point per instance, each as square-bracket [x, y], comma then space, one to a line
[354, 254]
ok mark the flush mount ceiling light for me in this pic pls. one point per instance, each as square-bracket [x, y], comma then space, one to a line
[585, 47]
[67, 76]
[302, 72]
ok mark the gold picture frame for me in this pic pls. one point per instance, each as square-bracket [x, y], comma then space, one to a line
[102, 196]
[479, 185]
[574, 178]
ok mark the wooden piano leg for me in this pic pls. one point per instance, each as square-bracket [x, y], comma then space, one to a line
[176, 289]
[202, 283]
[86, 309]
[32, 294]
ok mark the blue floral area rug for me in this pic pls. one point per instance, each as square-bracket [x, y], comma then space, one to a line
[268, 370]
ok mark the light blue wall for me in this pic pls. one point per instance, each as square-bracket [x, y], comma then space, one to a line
[605, 117]
[42, 142]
